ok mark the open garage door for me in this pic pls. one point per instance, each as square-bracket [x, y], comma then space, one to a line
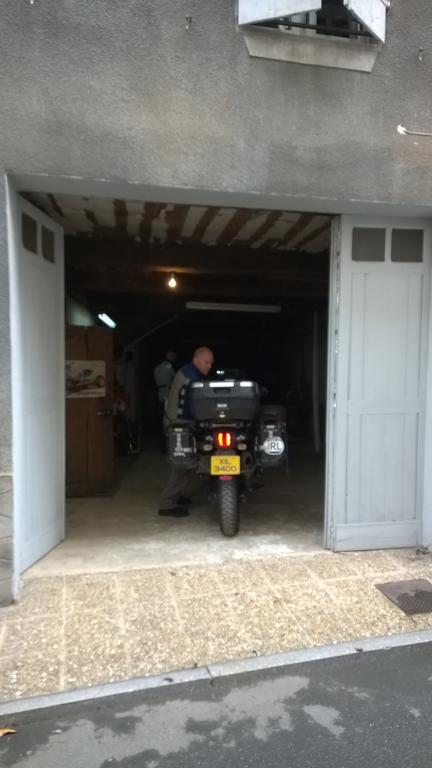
[379, 335]
[37, 309]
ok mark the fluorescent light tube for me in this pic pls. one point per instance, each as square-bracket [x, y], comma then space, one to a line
[221, 307]
[107, 320]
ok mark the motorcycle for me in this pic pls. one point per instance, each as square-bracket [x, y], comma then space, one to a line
[232, 439]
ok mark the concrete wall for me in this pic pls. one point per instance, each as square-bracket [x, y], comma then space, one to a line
[6, 478]
[121, 90]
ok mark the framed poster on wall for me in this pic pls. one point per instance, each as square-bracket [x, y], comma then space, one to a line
[85, 378]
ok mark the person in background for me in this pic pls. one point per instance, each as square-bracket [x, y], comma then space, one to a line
[174, 500]
[163, 375]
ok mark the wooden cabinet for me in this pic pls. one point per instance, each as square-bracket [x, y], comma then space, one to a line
[89, 420]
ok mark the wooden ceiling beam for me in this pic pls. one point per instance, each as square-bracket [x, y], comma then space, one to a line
[56, 207]
[91, 217]
[313, 235]
[262, 230]
[85, 252]
[302, 222]
[203, 224]
[237, 221]
[289, 273]
[135, 282]
[175, 219]
[120, 216]
[150, 212]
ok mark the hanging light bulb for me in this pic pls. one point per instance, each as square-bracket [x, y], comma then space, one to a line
[172, 282]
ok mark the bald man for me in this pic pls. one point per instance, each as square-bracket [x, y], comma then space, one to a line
[174, 499]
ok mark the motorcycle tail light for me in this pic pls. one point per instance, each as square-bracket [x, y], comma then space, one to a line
[224, 439]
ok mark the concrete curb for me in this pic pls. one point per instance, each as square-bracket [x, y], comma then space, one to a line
[214, 671]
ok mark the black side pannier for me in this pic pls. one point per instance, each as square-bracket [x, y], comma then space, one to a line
[182, 447]
[223, 401]
[272, 436]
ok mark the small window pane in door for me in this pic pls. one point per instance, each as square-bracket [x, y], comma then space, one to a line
[368, 244]
[48, 245]
[29, 233]
[407, 245]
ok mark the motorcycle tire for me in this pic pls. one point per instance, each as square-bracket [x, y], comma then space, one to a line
[229, 513]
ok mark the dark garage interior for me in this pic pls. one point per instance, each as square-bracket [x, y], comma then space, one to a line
[252, 285]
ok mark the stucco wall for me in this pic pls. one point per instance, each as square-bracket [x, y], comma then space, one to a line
[122, 90]
[5, 416]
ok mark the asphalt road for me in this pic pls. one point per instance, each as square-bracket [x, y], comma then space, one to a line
[357, 711]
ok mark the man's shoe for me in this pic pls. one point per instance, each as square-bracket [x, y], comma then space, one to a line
[184, 501]
[174, 512]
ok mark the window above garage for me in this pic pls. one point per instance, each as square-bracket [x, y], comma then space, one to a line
[337, 33]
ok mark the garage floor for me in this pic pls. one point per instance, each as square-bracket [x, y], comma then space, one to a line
[124, 531]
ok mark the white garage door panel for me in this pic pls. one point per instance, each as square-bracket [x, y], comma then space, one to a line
[381, 467]
[37, 308]
[44, 527]
[40, 342]
[385, 346]
[379, 388]
[375, 536]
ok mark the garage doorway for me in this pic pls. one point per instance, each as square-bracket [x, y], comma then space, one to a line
[120, 254]
[252, 285]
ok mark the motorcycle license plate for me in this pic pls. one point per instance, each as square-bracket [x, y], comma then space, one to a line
[225, 465]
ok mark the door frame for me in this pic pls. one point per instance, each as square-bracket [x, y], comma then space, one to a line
[89, 186]
[332, 374]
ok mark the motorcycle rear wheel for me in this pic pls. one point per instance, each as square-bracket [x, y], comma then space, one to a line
[229, 513]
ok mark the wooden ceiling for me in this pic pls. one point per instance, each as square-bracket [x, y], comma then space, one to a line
[161, 223]
[119, 254]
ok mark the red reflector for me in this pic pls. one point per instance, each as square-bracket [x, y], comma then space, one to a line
[224, 439]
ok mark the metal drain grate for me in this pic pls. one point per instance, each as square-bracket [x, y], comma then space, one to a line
[411, 597]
